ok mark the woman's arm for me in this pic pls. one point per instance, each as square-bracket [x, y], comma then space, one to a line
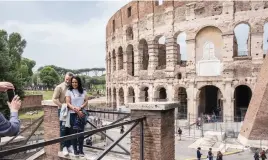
[68, 102]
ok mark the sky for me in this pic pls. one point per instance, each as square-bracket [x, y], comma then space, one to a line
[63, 33]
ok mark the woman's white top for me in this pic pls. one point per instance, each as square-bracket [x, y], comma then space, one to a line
[77, 99]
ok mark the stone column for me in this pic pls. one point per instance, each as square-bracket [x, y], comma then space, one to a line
[51, 129]
[153, 57]
[159, 138]
[228, 105]
[171, 56]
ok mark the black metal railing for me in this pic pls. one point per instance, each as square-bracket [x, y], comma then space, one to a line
[114, 124]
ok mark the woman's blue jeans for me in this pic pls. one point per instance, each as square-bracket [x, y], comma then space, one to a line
[79, 139]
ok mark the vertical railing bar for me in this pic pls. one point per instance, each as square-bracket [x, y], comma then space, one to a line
[141, 141]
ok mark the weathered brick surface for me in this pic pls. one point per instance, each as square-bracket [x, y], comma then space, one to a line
[159, 137]
[255, 124]
[32, 101]
[51, 130]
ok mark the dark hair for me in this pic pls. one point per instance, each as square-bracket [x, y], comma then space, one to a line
[79, 82]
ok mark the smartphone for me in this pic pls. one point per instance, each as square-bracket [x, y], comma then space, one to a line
[10, 94]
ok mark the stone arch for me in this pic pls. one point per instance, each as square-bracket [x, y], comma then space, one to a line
[209, 100]
[242, 39]
[242, 97]
[130, 60]
[121, 97]
[160, 93]
[205, 39]
[161, 52]
[143, 52]
[265, 39]
[120, 58]
[113, 60]
[144, 93]
[129, 33]
[131, 95]
[114, 98]
[180, 39]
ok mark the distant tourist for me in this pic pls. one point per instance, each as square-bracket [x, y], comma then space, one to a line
[263, 156]
[122, 130]
[256, 155]
[219, 155]
[180, 132]
[210, 154]
[198, 153]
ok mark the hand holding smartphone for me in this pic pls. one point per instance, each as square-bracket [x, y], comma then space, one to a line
[10, 94]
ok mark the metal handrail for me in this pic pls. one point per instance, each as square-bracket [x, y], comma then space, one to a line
[111, 112]
[64, 138]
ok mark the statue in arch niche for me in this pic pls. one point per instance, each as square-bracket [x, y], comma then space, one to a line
[209, 65]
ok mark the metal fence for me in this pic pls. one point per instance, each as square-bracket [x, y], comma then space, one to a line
[194, 126]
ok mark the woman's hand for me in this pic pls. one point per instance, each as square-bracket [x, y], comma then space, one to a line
[80, 114]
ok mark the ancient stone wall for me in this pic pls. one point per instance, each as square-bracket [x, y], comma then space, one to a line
[32, 101]
[212, 54]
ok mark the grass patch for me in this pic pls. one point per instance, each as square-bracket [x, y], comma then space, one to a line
[23, 115]
[47, 95]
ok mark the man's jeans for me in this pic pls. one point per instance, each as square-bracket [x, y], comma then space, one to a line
[64, 131]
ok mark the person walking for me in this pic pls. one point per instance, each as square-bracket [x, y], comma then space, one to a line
[198, 153]
[179, 132]
[10, 127]
[219, 155]
[210, 154]
[122, 130]
[77, 100]
[256, 156]
[263, 156]
[59, 99]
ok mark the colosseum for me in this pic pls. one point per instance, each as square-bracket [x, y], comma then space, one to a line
[203, 55]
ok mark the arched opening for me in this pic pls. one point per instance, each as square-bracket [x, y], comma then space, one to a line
[209, 46]
[161, 53]
[113, 61]
[130, 60]
[143, 51]
[265, 39]
[182, 98]
[109, 63]
[121, 97]
[161, 95]
[131, 95]
[182, 48]
[129, 34]
[210, 103]
[144, 95]
[110, 97]
[114, 98]
[241, 40]
[120, 58]
[242, 96]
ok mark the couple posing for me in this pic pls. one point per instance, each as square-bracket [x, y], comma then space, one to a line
[71, 100]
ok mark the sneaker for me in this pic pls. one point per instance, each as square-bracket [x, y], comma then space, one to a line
[71, 149]
[65, 151]
[76, 153]
[81, 153]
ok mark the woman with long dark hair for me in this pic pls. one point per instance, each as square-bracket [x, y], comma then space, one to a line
[76, 99]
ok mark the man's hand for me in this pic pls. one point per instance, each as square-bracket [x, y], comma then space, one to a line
[15, 104]
[4, 86]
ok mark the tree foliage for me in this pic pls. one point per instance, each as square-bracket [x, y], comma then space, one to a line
[49, 76]
[11, 49]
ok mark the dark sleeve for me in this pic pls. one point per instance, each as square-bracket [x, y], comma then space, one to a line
[11, 127]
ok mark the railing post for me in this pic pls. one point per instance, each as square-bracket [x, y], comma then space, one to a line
[141, 141]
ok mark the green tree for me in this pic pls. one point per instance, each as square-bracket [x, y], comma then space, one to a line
[11, 49]
[49, 76]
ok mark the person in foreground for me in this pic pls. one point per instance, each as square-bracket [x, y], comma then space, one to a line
[59, 99]
[76, 99]
[11, 127]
